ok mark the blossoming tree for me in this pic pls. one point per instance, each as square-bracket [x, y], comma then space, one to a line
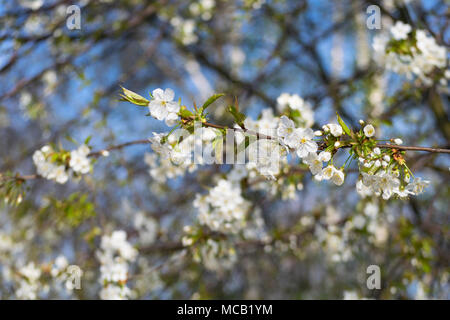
[282, 164]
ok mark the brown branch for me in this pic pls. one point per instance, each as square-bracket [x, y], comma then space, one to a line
[18, 178]
[413, 148]
[118, 147]
[244, 130]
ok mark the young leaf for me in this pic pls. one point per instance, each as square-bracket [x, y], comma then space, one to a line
[210, 101]
[133, 97]
[238, 116]
[88, 139]
[343, 125]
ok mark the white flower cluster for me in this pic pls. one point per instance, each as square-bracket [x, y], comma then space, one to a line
[340, 236]
[147, 227]
[203, 8]
[46, 168]
[375, 159]
[52, 169]
[265, 155]
[175, 156]
[370, 219]
[300, 110]
[335, 239]
[223, 208]
[58, 272]
[385, 183]
[266, 124]
[162, 169]
[301, 140]
[29, 282]
[380, 176]
[220, 254]
[269, 155]
[32, 280]
[410, 52]
[114, 256]
[184, 30]
[216, 255]
[330, 172]
[79, 161]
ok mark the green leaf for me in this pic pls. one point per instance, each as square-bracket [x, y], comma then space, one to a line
[210, 101]
[238, 116]
[133, 97]
[88, 139]
[343, 125]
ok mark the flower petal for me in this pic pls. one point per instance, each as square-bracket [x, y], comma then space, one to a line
[158, 94]
[169, 94]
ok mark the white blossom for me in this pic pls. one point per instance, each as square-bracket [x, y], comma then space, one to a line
[163, 149]
[420, 61]
[223, 209]
[315, 161]
[59, 174]
[29, 283]
[417, 186]
[115, 293]
[79, 162]
[288, 131]
[369, 130]
[114, 254]
[334, 129]
[338, 177]
[162, 105]
[59, 265]
[184, 30]
[303, 110]
[400, 30]
[306, 144]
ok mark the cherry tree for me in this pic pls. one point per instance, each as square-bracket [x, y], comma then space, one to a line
[224, 149]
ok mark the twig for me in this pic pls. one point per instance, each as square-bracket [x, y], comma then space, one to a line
[413, 148]
[244, 130]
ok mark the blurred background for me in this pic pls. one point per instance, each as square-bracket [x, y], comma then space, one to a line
[60, 85]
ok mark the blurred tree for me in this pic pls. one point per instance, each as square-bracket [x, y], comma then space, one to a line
[302, 239]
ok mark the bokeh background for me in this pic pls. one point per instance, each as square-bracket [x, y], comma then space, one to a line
[59, 85]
